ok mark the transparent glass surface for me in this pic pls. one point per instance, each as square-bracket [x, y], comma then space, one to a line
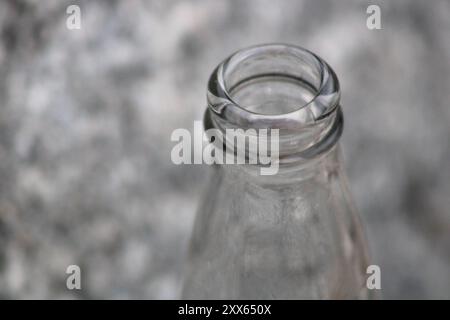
[292, 235]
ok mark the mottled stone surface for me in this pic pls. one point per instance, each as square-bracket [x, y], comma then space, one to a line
[86, 118]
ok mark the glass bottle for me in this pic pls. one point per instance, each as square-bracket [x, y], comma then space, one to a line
[294, 234]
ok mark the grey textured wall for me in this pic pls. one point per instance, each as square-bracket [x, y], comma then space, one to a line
[86, 118]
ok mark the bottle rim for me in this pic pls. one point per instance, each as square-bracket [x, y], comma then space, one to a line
[324, 102]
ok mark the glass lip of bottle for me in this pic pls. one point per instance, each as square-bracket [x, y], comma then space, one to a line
[324, 103]
[306, 132]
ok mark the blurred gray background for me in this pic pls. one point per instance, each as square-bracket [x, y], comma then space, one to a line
[86, 117]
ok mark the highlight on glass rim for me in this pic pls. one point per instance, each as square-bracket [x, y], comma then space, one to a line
[225, 156]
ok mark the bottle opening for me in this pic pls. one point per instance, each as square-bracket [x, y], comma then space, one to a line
[268, 81]
[273, 79]
[277, 86]
[272, 94]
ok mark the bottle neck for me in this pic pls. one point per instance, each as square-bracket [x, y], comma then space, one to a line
[319, 167]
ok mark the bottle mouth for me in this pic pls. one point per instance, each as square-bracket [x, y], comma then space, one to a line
[277, 86]
[273, 82]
